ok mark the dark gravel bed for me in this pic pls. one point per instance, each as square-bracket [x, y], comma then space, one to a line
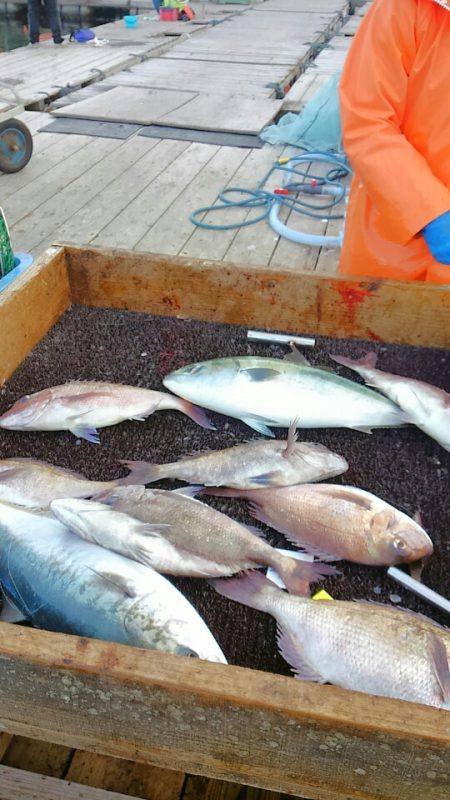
[403, 466]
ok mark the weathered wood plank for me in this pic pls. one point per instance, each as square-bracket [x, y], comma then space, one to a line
[30, 306]
[226, 722]
[16, 784]
[5, 741]
[199, 788]
[128, 777]
[31, 755]
[404, 313]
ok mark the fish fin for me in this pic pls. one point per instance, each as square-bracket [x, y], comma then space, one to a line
[251, 590]
[369, 360]
[267, 478]
[260, 374]
[259, 424]
[141, 472]
[125, 586]
[6, 474]
[189, 456]
[221, 491]
[296, 356]
[310, 549]
[189, 491]
[298, 575]
[290, 651]
[438, 653]
[291, 438]
[197, 414]
[256, 531]
[85, 432]
[361, 428]
[156, 529]
[257, 512]
[10, 612]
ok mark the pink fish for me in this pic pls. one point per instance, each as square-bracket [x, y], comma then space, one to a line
[338, 522]
[425, 405]
[83, 406]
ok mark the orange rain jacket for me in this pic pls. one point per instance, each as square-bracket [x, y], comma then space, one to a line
[395, 107]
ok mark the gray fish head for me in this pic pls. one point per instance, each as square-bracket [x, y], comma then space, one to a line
[398, 539]
[196, 382]
[24, 413]
[72, 513]
[410, 543]
[324, 461]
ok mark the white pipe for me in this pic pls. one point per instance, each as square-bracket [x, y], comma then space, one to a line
[418, 588]
[300, 237]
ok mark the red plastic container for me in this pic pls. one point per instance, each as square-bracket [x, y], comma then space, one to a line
[169, 14]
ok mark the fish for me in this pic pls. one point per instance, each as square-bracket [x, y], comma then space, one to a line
[33, 483]
[83, 406]
[269, 392]
[357, 645]
[62, 583]
[204, 542]
[251, 465]
[336, 522]
[427, 406]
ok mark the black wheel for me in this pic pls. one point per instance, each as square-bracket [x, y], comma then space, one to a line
[16, 145]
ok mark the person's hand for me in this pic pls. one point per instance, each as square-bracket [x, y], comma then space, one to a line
[437, 237]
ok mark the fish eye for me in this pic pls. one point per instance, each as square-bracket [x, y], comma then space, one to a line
[399, 544]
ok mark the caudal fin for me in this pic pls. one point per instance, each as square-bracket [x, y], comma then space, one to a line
[369, 360]
[299, 575]
[254, 590]
[197, 414]
[142, 472]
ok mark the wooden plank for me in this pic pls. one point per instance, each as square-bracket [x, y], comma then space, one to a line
[36, 756]
[15, 784]
[125, 104]
[199, 788]
[5, 741]
[128, 228]
[43, 287]
[399, 312]
[221, 112]
[222, 721]
[128, 777]
[173, 228]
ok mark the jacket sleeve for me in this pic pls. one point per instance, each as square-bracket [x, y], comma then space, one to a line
[373, 96]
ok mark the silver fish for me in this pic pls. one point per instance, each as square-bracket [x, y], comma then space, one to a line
[204, 542]
[83, 406]
[61, 583]
[265, 392]
[334, 522]
[33, 483]
[426, 406]
[365, 647]
[248, 466]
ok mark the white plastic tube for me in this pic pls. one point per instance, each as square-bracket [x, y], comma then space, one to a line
[300, 237]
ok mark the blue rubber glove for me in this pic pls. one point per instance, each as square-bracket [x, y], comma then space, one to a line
[437, 237]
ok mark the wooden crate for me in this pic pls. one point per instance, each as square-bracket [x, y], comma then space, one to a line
[241, 725]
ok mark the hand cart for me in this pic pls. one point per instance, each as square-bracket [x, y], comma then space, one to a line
[16, 141]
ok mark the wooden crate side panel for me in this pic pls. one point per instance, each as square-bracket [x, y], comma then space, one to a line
[225, 722]
[30, 306]
[403, 313]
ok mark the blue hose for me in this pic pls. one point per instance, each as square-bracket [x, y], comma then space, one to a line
[261, 198]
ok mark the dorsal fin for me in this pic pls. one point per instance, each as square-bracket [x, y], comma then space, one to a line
[291, 438]
[296, 357]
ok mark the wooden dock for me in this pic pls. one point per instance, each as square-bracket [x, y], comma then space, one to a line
[138, 193]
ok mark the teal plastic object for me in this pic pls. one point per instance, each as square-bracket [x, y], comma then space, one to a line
[131, 20]
[316, 127]
[21, 262]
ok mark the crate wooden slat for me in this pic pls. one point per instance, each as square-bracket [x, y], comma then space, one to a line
[224, 722]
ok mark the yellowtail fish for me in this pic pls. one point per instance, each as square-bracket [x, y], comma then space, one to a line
[61, 583]
[426, 406]
[336, 522]
[365, 647]
[248, 466]
[33, 483]
[83, 406]
[202, 542]
[269, 392]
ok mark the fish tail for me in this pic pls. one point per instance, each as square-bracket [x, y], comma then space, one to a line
[254, 589]
[142, 472]
[196, 413]
[299, 575]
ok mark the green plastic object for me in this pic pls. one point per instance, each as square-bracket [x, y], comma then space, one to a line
[6, 252]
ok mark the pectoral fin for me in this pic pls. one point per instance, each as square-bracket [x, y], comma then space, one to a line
[124, 586]
[85, 432]
[261, 373]
[291, 653]
[259, 424]
[441, 666]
